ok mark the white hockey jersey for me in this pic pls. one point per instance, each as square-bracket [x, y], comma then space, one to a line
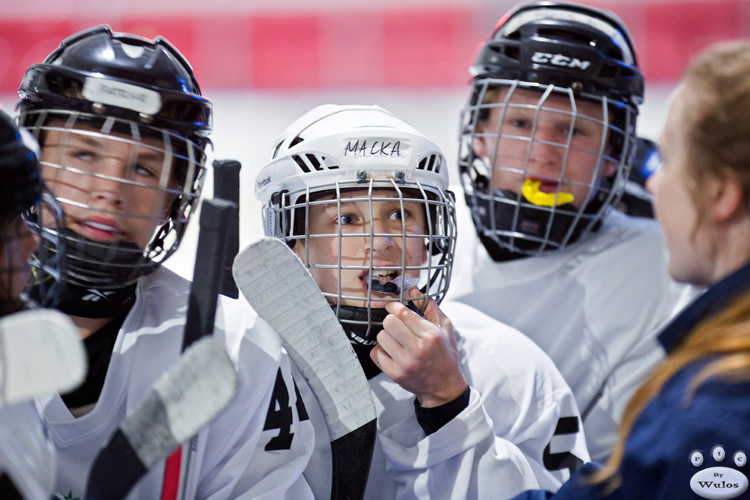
[495, 448]
[595, 309]
[27, 455]
[237, 456]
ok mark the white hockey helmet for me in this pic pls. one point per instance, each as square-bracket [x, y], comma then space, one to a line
[336, 149]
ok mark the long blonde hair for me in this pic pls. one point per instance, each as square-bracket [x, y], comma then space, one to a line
[719, 143]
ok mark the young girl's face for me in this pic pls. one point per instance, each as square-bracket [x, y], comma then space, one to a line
[674, 206]
[349, 236]
[111, 186]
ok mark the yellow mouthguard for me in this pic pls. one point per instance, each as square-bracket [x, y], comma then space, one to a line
[530, 191]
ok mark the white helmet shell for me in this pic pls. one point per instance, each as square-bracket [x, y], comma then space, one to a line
[353, 143]
[359, 152]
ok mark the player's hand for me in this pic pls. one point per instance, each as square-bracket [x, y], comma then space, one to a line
[420, 353]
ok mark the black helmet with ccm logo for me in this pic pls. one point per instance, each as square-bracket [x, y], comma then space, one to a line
[564, 53]
[566, 45]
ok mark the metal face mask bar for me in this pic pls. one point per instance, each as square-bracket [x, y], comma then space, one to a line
[420, 221]
[540, 183]
[127, 189]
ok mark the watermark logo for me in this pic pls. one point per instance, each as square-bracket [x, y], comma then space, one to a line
[718, 482]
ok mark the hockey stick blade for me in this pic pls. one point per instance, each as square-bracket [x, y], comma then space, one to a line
[282, 291]
[182, 401]
[40, 352]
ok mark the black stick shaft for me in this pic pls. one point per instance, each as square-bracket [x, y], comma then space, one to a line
[351, 455]
[115, 471]
[227, 187]
[216, 217]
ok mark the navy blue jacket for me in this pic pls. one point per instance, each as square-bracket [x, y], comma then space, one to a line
[660, 457]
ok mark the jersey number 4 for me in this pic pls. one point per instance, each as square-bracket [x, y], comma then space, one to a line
[281, 416]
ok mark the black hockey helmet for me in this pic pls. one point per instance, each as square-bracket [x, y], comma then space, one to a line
[566, 45]
[20, 183]
[557, 50]
[104, 84]
[131, 66]
[22, 193]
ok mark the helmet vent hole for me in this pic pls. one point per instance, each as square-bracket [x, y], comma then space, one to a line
[566, 36]
[512, 52]
[314, 161]
[515, 35]
[301, 163]
[608, 71]
[615, 54]
[276, 150]
[430, 163]
[295, 141]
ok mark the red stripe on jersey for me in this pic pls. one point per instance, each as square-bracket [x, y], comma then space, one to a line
[171, 485]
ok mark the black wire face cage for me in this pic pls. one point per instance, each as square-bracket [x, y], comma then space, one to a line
[20, 262]
[48, 262]
[127, 190]
[540, 165]
[390, 237]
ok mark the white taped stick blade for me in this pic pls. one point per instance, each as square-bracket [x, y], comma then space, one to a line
[183, 400]
[279, 287]
[40, 353]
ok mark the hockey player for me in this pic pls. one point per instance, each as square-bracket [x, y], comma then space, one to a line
[361, 197]
[27, 457]
[22, 190]
[546, 144]
[123, 129]
[685, 432]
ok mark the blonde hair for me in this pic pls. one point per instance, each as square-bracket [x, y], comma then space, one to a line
[718, 136]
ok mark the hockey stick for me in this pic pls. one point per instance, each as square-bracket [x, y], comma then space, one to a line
[182, 401]
[227, 187]
[282, 291]
[216, 216]
[40, 352]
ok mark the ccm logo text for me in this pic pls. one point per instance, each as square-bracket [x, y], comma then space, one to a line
[559, 60]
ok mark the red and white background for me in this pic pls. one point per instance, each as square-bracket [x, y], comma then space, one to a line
[264, 63]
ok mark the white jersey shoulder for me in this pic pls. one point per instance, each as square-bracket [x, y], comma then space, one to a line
[233, 458]
[595, 309]
[496, 446]
[27, 455]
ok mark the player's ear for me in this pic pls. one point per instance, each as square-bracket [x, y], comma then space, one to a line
[299, 249]
[610, 168]
[725, 196]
